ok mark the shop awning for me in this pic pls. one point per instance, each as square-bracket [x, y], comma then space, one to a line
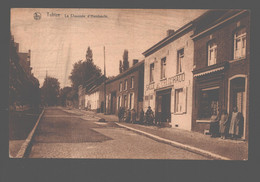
[209, 71]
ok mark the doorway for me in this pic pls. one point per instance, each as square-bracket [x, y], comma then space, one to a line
[113, 103]
[163, 105]
[237, 97]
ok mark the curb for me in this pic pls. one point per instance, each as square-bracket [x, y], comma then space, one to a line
[177, 144]
[24, 147]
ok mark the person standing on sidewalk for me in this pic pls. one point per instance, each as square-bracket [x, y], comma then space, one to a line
[223, 124]
[236, 119]
[149, 116]
[141, 120]
[214, 124]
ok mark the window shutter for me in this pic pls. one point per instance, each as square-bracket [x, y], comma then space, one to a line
[185, 99]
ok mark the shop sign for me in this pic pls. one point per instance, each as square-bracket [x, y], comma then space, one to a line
[167, 82]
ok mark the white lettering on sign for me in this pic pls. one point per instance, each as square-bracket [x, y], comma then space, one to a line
[167, 82]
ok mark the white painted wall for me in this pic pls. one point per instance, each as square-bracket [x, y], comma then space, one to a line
[170, 52]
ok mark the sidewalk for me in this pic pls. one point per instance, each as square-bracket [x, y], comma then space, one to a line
[230, 149]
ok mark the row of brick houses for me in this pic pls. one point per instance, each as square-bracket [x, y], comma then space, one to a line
[199, 68]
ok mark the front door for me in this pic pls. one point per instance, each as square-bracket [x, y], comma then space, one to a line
[237, 99]
[113, 103]
[163, 105]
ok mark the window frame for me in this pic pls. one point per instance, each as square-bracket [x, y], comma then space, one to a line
[120, 87]
[176, 108]
[132, 82]
[214, 50]
[163, 68]
[152, 72]
[241, 37]
[125, 84]
[178, 61]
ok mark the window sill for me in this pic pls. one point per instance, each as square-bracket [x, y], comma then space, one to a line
[179, 113]
[203, 121]
[162, 79]
[151, 82]
[238, 59]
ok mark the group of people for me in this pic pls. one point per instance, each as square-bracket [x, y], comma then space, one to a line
[131, 115]
[226, 125]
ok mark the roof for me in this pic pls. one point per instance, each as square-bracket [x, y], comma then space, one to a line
[167, 39]
[213, 18]
[128, 71]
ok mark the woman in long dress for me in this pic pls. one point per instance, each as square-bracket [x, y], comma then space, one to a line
[223, 124]
[235, 121]
[214, 124]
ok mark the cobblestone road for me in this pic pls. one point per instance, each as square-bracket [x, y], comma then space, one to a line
[62, 134]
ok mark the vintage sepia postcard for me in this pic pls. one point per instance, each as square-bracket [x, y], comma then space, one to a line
[129, 83]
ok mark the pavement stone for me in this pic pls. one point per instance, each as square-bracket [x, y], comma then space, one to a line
[232, 149]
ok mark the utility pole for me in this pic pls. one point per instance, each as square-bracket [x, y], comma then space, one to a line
[46, 90]
[104, 82]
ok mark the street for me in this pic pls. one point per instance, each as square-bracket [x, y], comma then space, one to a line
[63, 134]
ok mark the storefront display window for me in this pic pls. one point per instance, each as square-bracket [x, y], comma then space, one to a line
[208, 103]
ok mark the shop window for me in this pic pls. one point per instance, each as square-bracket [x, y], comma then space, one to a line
[152, 72]
[125, 85]
[132, 82]
[180, 100]
[240, 44]
[180, 61]
[163, 68]
[120, 87]
[208, 103]
[212, 53]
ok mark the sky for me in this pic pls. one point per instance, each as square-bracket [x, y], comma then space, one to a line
[61, 36]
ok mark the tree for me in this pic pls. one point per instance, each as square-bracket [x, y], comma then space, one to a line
[50, 91]
[64, 95]
[89, 55]
[120, 67]
[125, 60]
[84, 72]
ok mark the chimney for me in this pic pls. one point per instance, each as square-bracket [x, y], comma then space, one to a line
[135, 61]
[170, 32]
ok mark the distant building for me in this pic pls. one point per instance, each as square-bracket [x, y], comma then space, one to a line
[168, 78]
[124, 90]
[221, 66]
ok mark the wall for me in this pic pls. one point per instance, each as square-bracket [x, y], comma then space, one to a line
[224, 37]
[169, 51]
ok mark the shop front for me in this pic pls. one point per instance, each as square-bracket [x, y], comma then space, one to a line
[209, 96]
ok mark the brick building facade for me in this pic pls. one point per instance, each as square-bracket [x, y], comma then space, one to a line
[221, 66]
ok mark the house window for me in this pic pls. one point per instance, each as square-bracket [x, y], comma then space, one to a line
[208, 102]
[119, 101]
[132, 82]
[131, 100]
[125, 101]
[212, 53]
[120, 87]
[240, 44]
[179, 101]
[180, 61]
[163, 68]
[125, 88]
[152, 72]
